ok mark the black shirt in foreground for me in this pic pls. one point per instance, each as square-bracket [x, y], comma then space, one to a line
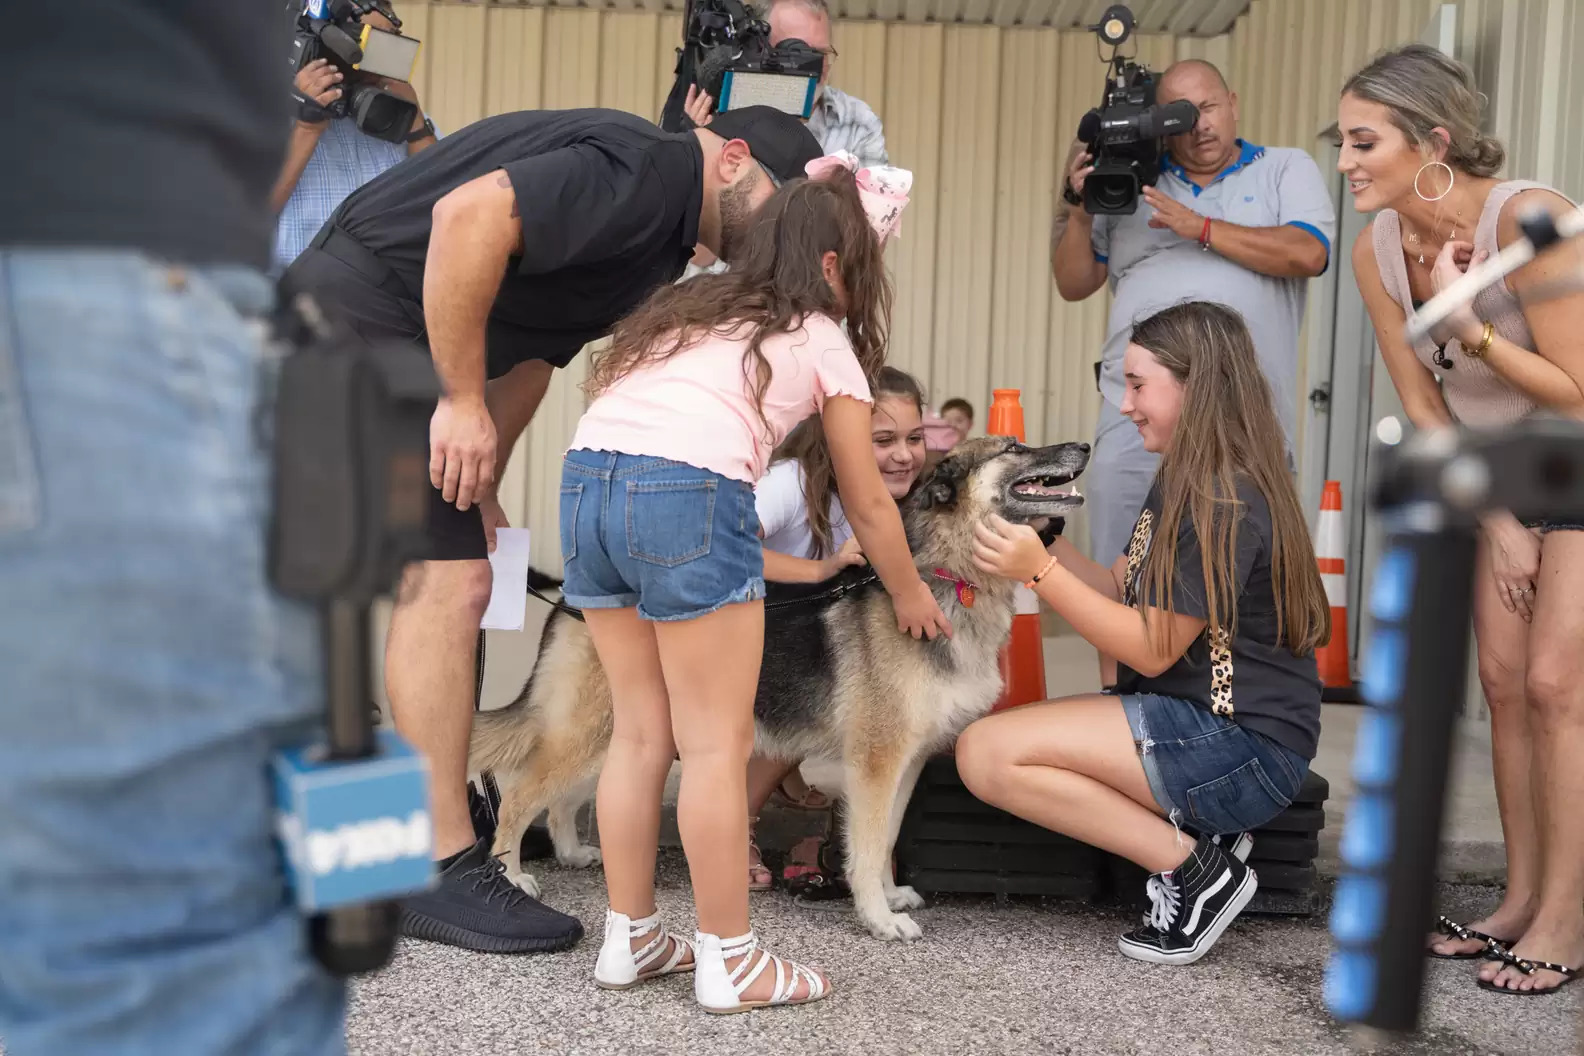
[610, 212]
[1257, 682]
[155, 125]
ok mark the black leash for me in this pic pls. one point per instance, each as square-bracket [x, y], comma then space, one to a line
[832, 594]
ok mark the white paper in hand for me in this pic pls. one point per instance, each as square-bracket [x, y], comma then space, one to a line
[509, 596]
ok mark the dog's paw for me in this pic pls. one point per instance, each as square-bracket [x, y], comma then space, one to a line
[896, 927]
[902, 898]
[526, 883]
[581, 857]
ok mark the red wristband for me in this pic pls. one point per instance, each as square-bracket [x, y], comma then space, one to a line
[1204, 235]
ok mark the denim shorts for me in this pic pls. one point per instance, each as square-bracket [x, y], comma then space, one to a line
[1207, 772]
[677, 541]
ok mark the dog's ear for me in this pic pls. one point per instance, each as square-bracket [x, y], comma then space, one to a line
[940, 488]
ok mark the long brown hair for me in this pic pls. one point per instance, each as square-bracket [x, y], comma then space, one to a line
[806, 446]
[775, 280]
[1227, 430]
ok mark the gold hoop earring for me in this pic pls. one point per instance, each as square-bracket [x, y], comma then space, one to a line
[1451, 178]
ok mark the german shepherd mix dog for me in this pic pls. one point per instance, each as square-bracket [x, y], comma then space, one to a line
[838, 679]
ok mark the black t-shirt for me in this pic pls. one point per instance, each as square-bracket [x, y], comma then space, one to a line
[157, 125]
[1256, 682]
[610, 212]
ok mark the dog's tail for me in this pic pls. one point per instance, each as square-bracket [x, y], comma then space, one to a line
[541, 581]
[504, 737]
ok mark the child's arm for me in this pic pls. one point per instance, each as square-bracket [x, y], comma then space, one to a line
[1014, 551]
[1106, 581]
[874, 516]
[784, 568]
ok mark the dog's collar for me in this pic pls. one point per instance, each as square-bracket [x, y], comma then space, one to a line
[965, 589]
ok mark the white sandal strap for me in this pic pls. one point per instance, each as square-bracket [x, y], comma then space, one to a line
[755, 960]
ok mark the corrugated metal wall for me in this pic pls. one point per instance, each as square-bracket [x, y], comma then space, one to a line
[983, 116]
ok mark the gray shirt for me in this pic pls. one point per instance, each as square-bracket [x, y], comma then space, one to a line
[1151, 268]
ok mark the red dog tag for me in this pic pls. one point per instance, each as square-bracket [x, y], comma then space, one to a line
[965, 594]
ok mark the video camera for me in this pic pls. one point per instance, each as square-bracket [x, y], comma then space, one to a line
[332, 29]
[1124, 133]
[726, 51]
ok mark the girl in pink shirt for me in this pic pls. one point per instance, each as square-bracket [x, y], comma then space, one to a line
[659, 536]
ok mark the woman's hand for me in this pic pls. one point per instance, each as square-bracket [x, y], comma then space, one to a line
[1002, 548]
[918, 613]
[1515, 561]
[1450, 264]
[850, 554]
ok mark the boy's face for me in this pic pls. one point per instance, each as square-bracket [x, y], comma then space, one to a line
[958, 419]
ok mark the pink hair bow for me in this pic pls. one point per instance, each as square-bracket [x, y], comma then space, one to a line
[883, 189]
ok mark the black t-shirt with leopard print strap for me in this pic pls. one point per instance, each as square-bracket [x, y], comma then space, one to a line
[1252, 680]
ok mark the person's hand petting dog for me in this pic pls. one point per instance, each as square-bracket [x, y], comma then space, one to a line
[1013, 551]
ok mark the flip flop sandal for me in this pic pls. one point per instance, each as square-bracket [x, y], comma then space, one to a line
[1528, 967]
[813, 799]
[1453, 930]
[760, 878]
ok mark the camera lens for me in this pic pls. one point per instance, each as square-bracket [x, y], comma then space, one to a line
[1114, 191]
[381, 114]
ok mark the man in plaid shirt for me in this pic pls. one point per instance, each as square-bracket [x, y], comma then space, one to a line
[839, 121]
[328, 160]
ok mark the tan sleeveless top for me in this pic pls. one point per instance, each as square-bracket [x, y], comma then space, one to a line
[1475, 394]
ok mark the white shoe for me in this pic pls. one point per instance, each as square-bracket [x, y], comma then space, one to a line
[621, 967]
[720, 990]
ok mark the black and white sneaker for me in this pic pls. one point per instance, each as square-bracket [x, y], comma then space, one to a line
[1237, 844]
[474, 906]
[1192, 906]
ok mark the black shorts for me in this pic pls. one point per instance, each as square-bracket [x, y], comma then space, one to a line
[379, 318]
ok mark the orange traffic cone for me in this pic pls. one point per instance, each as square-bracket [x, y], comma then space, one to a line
[1330, 547]
[1023, 658]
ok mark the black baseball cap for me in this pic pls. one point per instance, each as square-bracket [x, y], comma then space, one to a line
[780, 142]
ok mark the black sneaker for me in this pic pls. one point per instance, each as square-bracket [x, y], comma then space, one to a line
[474, 906]
[1193, 905]
[1237, 844]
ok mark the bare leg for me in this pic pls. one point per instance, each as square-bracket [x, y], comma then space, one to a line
[1555, 685]
[763, 777]
[1503, 639]
[632, 782]
[711, 670]
[1071, 766]
[430, 653]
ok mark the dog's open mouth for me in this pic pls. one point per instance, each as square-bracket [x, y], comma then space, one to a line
[1045, 487]
[1046, 492]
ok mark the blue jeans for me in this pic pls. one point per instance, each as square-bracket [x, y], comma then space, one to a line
[1206, 771]
[677, 541]
[148, 670]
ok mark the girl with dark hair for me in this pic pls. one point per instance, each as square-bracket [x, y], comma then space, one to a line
[807, 540]
[659, 536]
[1213, 614]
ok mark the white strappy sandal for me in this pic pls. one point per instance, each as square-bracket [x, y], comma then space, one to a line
[720, 990]
[620, 967]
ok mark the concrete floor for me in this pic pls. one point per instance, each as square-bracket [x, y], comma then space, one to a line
[1030, 975]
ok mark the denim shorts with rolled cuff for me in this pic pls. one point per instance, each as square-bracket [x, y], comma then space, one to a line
[1548, 524]
[675, 540]
[1208, 773]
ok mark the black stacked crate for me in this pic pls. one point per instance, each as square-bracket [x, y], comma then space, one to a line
[950, 841]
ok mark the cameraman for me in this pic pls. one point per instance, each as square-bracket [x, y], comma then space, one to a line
[504, 250]
[327, 159]
[839, 121]
[1227, 221]
[149, 667]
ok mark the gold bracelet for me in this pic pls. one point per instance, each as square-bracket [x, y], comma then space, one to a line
[1479, 351]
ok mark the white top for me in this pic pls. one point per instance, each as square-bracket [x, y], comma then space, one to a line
[778, 499]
